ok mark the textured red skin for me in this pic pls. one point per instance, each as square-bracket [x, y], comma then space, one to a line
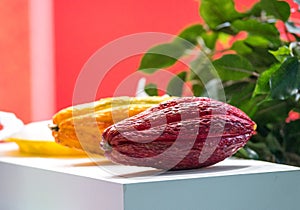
[173, 134]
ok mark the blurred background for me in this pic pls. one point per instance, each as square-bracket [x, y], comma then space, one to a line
[45, 43]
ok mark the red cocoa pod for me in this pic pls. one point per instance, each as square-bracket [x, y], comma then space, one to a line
[182, 133]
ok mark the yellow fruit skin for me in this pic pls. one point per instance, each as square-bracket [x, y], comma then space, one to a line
[44, 148]
[81, 126]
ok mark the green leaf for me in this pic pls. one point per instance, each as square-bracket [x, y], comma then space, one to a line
[224, 38]
[233, 67]
[281, 53]
[239, 94]
[201, 69]
[241, 47]
[151, 89]
[255, 10]
[191, 33]
[285, 82]
[257, 28]
[261, 149]
[246, 46]
[217, 12]
[263, 81]
[210, 39]
[271, 111]
[260, 58]
[161, 56]
[175, 86]
[279, 9]
[258, 41]
[198, 89]
[234, 92]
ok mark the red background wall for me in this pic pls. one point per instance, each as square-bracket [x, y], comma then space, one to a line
[14, 58]
[81, 29]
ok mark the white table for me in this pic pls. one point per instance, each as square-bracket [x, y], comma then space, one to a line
[47, 183]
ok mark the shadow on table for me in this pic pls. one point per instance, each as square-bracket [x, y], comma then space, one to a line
[208, 170]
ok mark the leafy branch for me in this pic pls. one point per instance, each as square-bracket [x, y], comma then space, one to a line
[242, 56]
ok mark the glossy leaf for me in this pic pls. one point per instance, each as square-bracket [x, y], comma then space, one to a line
[258, 41]
[254, 27]
[282, 53]
[246, 46]
[239, 94]
[260, 58]
[234, 92]
[217, 12]
[233, 67]
[241, 47]
[192, 36]
[285, 82]
[192, 33]
[279, 9]
[272, 111]
[161, 56]
[263, 82]
[151, 89]
[175, 86]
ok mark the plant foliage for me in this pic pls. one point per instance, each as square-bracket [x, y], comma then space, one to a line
[258, 69]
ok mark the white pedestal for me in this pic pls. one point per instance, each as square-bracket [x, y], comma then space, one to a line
[45, 183]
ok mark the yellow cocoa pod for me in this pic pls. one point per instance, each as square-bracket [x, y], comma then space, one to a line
[81, 126]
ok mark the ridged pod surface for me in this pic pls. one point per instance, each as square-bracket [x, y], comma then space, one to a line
[182, 133]
[81, 126]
